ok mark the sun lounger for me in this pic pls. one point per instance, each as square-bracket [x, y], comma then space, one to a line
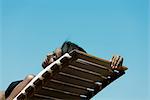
[74, 76]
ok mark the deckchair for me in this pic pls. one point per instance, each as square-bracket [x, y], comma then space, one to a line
[74, 76]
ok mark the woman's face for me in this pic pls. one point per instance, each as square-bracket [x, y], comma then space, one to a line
[51, 57]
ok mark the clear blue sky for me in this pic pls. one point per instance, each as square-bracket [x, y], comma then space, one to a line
[32, 28]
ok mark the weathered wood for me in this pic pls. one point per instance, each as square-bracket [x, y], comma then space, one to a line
[42, 97]
[92, 67]
[74, 76]
[96, 60]
[68, 78]
[50, 92]
[65, 87]
[83, 73]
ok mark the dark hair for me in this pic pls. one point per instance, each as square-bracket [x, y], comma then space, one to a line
[69, 46]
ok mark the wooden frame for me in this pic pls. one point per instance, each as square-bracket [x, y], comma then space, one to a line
[75, 76]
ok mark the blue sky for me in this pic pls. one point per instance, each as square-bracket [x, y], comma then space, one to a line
[32, 28]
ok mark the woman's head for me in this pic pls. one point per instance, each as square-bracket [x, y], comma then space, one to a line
[69, 46]
[66, 47]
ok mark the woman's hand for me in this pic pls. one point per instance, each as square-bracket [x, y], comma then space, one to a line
[116, 61]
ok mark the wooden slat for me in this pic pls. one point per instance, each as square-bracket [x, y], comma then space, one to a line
[49, 92]
[93, 64]
[65, 87]
[73, 70]
[42, 97]
[92, 67]
[69, 84]
[81, 55]
[70, 78]
[90, 58]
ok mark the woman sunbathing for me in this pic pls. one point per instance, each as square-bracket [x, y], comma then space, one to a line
[16, 87]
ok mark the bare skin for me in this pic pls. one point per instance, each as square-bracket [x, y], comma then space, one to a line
[116, 61]
[19, 87]
[51, 57]
[2, 95]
